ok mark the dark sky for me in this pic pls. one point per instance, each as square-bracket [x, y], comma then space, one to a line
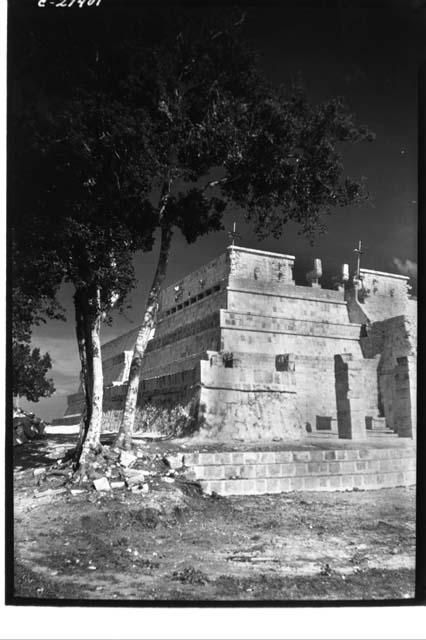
[370, 57]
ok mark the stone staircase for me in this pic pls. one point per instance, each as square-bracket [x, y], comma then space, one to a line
[377, 426]
[329, 469]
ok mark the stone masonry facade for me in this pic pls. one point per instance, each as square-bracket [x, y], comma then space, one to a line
[241, 352]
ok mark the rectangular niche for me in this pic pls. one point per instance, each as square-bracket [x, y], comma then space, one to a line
[282, 362]
[228, 360]
[323, 423]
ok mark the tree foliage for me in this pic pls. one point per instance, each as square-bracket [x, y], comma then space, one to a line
[29, 373]
[154, 122]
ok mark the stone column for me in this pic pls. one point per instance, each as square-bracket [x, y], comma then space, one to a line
[349, 398]
[405, 397]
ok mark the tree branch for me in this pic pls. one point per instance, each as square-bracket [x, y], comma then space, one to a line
[215, 183]
[165, 195]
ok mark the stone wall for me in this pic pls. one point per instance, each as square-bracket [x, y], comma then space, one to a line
[247, 266]
[195, 284]
[405, 397]
[175, 318]
[386, 294]
[316, 397]
[233, 414]
[75, 404]
[167, 405]
[115, 347]
[116, 369]
[390, 340]
[242, 352]
[175, 355]
[289, 302]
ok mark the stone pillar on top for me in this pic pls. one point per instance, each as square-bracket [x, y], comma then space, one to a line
[351, 423]
[316, 273]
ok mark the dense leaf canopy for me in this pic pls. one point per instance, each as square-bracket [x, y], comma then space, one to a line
[158, 119]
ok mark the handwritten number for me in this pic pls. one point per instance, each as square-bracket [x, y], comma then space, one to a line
[69, 3]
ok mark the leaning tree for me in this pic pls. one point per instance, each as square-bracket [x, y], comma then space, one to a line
[80, 171]
[155, 125]
[224, 136]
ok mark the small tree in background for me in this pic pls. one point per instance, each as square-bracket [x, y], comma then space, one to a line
[29, 371]
[34, 288]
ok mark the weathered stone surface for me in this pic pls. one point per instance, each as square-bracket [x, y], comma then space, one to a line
[381, 468]
[102, 484]
[242, 352]
[127, 458]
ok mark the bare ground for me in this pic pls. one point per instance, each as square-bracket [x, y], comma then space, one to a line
[174, 543]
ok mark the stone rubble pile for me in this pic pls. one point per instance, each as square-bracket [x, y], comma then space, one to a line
[26, 426]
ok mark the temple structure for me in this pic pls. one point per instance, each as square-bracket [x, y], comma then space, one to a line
[241, 352]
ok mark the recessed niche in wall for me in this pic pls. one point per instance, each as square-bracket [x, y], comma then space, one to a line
[323, 423]
[282, 362]
[228, 360]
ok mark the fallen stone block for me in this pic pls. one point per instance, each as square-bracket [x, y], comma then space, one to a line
[117, 485]
[39, 472]
[137, 489]
[135, 479]
[127, 458]
[102, 484]
[175, 462]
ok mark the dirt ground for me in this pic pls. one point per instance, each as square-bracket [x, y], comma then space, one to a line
[174, 543]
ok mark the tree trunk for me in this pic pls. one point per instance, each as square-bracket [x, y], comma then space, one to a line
[86, 373]
[124, 437]
[92, 442]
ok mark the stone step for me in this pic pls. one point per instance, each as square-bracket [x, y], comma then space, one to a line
[256, 472]
[382, 432]
[292, 469]
[377, 425]
[191, 459]
[310, 483]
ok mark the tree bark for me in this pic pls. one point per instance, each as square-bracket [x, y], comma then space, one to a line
[124, 436]
[92, 441]
[86, 372]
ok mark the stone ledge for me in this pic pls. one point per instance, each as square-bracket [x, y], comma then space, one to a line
[299, 469]
[279, 457]
[300, 293]
[309, 483]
